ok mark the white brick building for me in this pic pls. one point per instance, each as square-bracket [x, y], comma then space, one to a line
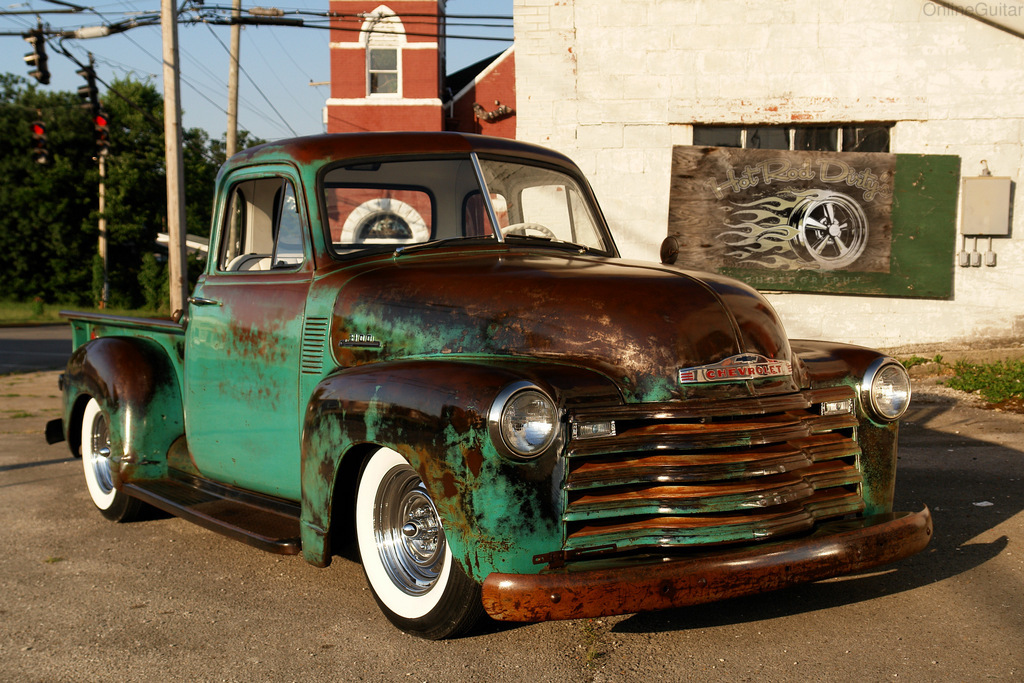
[617, 85]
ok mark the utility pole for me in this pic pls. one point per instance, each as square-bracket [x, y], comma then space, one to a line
[105, 296]
[231, 139]
[174, 157]
[91, 101]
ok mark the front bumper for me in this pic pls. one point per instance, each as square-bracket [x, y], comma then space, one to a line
[835, 549]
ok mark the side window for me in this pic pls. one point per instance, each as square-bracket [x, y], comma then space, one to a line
[288, 245]
[263, 227]
[561, 210]
[234, 229]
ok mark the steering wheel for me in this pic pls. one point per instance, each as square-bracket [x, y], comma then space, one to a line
[521, 228]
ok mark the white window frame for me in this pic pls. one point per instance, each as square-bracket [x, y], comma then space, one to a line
[384, 30]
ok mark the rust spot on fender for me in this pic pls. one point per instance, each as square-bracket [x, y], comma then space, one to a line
[448, 485]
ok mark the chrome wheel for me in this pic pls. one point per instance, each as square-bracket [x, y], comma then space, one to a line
[408, 532]
[97, 455]
[99, 475]
[406, 557]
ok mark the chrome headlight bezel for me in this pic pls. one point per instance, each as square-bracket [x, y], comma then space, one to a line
[498, 423]
[885, 390]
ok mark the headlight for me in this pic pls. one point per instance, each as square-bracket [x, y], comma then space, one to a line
[886, 389]
[524, 420]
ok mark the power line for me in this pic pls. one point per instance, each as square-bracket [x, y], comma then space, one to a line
[258, 89]
[119, 17]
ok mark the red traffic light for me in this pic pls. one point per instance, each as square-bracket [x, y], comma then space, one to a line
[101, 120]
[40, 153]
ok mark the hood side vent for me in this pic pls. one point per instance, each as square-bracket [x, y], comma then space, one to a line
[314, 337]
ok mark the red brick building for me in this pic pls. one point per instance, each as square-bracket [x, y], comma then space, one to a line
[388, 73]
[482, 97]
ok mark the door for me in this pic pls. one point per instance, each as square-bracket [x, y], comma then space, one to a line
[243, 414]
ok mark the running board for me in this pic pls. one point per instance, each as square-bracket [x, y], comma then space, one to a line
[266, 523]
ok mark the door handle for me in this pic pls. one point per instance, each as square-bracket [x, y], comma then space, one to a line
[200, 301]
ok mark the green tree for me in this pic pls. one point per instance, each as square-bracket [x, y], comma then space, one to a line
[203, 159]
[49, 229]
[46, 235]
[136, 188]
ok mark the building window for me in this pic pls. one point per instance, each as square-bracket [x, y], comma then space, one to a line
[851, 137]
[383, 70]
[383, 36]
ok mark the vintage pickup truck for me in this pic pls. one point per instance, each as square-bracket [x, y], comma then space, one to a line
[428, 344]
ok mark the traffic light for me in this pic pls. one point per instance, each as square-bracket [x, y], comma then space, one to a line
[40, 154]
[102, 133]
[37, 58]
[88, 92]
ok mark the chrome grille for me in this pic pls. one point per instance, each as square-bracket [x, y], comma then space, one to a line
[710, 473]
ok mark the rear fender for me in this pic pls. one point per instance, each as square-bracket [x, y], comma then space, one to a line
[497, 513]
[134, 381]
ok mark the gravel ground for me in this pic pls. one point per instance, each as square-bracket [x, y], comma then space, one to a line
[82, 599]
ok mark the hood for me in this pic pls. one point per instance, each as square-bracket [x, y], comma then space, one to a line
[638, 323]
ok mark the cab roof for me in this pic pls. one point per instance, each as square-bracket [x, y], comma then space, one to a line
[321, 149]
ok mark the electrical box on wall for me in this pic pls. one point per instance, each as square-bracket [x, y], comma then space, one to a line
[986, 207]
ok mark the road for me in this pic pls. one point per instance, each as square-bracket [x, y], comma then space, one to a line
[83, 599]
[44, 347]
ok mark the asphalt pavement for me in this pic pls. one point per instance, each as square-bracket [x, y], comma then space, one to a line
[83, 599]
[40, 347]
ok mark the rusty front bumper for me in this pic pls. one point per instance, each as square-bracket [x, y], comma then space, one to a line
[836, 549]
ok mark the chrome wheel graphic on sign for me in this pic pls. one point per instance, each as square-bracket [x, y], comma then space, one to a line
[831, 229]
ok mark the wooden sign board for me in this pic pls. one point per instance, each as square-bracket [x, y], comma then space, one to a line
[848, 223]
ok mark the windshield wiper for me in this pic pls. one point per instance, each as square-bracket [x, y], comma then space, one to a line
[560, 244]
[420, 246]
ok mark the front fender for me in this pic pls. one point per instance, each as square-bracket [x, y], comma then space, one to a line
[497, 513]
[832, 364]
[134, 381]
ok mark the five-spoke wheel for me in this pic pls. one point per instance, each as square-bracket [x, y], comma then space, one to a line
[832, 230]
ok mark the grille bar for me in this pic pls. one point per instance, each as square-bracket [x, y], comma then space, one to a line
[688, 467]
[711, 473]
[680, 500]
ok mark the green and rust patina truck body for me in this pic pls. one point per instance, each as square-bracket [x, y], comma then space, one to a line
[428, 343]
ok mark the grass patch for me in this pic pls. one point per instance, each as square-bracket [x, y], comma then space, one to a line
[914, 361]
[592, 645]
[997, 382]
[37, 313]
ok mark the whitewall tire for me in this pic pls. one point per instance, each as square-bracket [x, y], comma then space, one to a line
[111, 502]
[405, 553]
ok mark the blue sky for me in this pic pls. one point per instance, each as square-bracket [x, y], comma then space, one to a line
[276, 99]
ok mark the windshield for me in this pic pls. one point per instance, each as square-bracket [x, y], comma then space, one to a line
[530, 201]
[383, 205]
